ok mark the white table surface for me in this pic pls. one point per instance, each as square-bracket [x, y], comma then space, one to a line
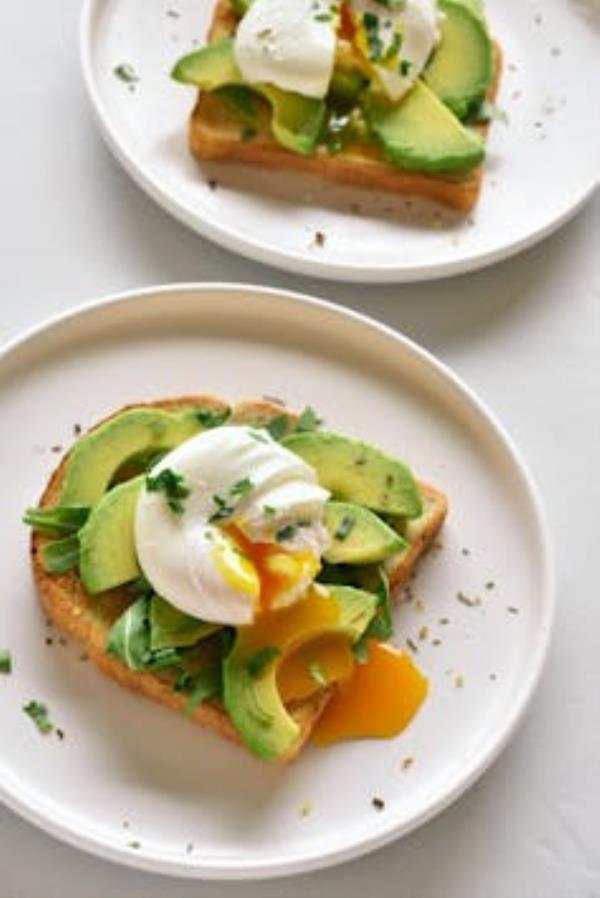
[525, 334]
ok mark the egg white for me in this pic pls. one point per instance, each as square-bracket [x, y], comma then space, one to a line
[190, 560]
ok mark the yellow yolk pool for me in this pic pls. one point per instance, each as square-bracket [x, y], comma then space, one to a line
[378, 700]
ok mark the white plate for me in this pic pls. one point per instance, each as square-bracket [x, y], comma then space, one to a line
[125, 759]
[540, 168]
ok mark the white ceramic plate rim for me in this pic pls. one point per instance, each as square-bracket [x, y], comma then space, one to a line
[289, 260]
[61, 828]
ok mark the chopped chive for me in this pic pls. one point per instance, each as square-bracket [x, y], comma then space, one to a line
[39, 714]
[5, 661]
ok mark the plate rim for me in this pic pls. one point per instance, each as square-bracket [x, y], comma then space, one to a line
[493, 746]
[244, 246]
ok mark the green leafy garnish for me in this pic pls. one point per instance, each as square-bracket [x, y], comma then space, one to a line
[125, 72]
[261, 659]
[130, 640]
[206, 684]
[278, 426]
[172, 485]
[288, 531]
[210, 419]
[39, 714]
[63, 520]
[405, 67]
[345, 528]
[316, 672]
[309, 420]
[5, 661]
[62, 555]
[241, 488]
[171, 628]
[371, 25]
[381, 626]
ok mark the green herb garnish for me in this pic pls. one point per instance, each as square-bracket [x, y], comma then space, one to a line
[371, 25]
[381, 626]
[62, 555]
[126, 72]
[261, 659]
[5, 661]
[288, 531]
[39, 714]
[241, 488]
[269, 510]
[63, 520]
[172, 485]
[309, 420]
[224, 506]
[210, 419]
[346, 526]
[405, 67]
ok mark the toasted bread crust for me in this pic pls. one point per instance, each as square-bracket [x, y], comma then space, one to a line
[90, 618]
[214, 134]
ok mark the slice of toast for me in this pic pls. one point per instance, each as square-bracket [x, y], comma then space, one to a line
[214, 134]
[90, 618]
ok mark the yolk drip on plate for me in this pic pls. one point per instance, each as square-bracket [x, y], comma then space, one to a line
[279, 572]
[378, 700]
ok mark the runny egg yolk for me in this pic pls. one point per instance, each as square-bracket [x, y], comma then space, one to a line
[263, 570]
[378, 700]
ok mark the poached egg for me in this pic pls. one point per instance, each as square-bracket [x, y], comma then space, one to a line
[246, 533]
[292, 43]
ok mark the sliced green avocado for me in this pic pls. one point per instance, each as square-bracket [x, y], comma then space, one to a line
[107, 548]
[422, 134]
[356, 472]
[296, 121]
[462, 67]
[95, 458]
[252, 698]
[358, 536]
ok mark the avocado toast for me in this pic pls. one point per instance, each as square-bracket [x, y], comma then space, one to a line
[430, 143]
[91, 586]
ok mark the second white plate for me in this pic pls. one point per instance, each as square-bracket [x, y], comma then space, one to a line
[138, 784]
[540, 168]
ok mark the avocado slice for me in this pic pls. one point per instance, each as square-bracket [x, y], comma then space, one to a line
[251, 696]
[461, 69]
[95, 458]
[107, 548]
[422, 134]
[356, 472]
[358, 536]
[296, 120]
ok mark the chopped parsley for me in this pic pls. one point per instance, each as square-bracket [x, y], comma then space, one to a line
[309, 420]
[172, 485]
[345, 528]
[261, 659]
[225, 505]
[126, 72]
[405, 67]
[288, 531]
[371, 24]
[5, 662]
[39, 714]
[210, 418]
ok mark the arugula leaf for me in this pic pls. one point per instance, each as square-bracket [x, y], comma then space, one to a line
[62, 555]
[171, 628]
[261, 659]
[211, 419]
[278, 426]
[206, 684]
[129, 640]
[381, 626]
[5, 662]
[39, 714]
[63, 519]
